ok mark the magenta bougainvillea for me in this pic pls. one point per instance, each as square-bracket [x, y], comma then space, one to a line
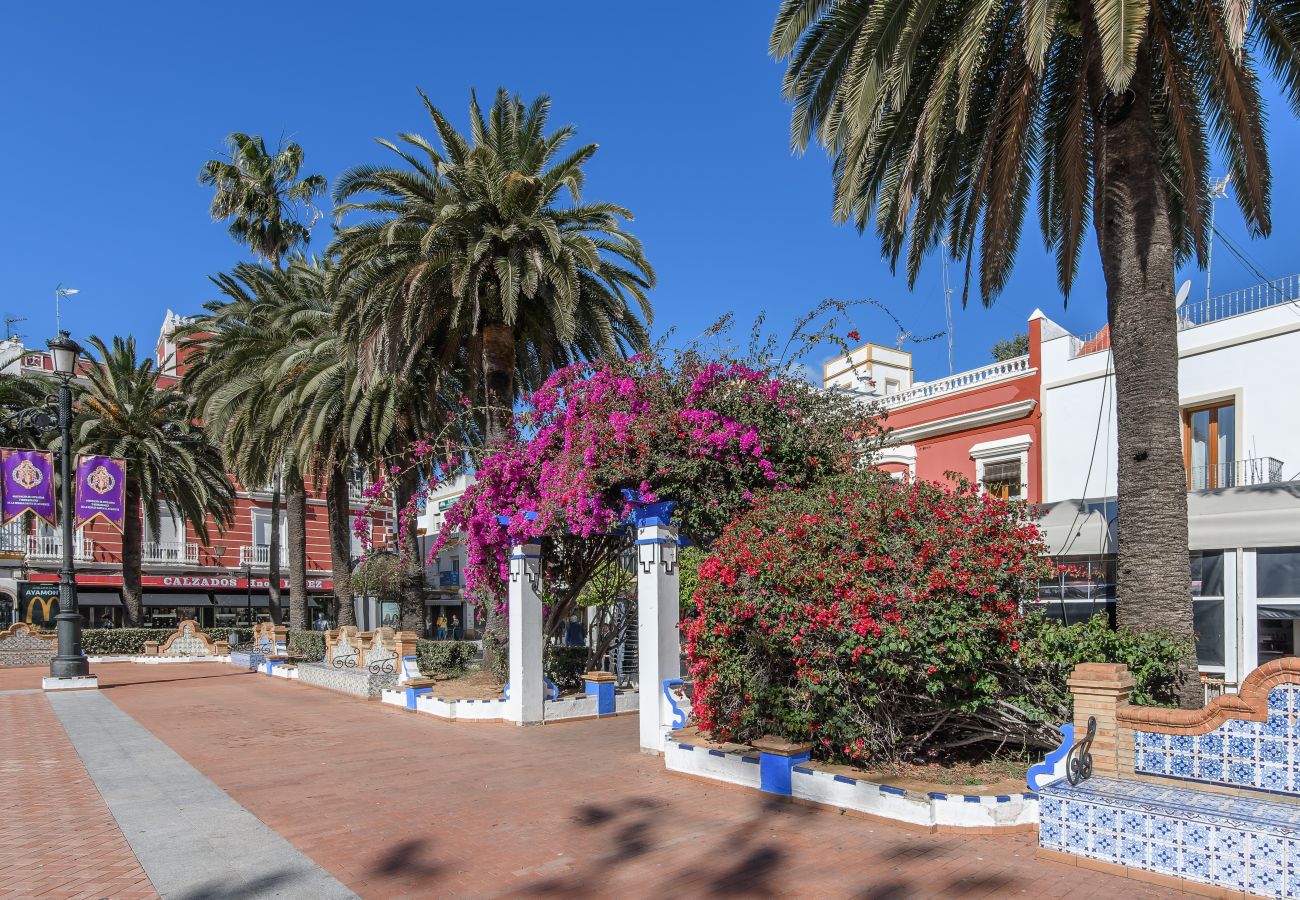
[708, 434]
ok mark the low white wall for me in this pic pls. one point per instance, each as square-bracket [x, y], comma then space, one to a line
[844, 792]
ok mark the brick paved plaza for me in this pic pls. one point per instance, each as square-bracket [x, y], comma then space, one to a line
[397, 805]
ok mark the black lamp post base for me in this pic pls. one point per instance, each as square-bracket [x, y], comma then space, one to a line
[69, 667]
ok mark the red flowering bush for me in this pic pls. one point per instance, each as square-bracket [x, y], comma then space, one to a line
[870, 616]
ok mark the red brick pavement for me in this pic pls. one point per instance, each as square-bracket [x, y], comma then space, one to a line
[57, 838]
[395, 804]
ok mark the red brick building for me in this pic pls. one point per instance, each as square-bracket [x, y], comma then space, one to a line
[218, 583]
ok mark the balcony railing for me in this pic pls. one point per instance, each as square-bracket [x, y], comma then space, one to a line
[1240, 302]
[1239, 473]
[171, 552]
[13, 541]
[449, 579]
[51, 547]
[1212, 309]
[258, 555]
[999, 371]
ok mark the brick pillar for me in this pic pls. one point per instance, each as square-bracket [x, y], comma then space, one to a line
[1099, 690]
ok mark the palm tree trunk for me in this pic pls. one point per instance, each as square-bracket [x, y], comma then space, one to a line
[499, 380]
[1136, 244]
[296, 506]
[273, 556]
[408, 547]
[339, 506]
[132, 538]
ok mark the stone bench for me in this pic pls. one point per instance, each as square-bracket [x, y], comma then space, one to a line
[1207, 796]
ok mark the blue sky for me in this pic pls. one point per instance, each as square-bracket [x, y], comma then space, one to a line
[110, 109]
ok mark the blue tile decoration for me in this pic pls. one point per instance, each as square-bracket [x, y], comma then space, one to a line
[1242, 843]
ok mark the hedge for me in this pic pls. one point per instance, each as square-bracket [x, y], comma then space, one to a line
[120, 641]
[445, 657]
[564, 665]
[308, 646]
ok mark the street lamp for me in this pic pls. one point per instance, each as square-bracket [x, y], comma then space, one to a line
[69, 662]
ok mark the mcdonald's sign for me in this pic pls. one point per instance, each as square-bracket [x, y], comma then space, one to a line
[38, 604]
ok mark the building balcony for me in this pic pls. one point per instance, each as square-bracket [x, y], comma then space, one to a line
[448, 579]
[1238, 473]
[50, 548]
[259, 556]
[170, 553]
[929, 390]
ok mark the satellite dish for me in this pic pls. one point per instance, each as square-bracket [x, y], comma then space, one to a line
[1183, 290]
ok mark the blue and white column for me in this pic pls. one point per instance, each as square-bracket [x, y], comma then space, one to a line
[658, 612]
[524, 704]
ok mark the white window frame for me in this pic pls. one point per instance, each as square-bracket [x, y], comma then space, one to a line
[165, 512]
[256, 512]
[1009, 449]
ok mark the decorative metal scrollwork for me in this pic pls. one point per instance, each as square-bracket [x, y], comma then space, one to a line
[1078, 765]
[345, 661]
[382, 666]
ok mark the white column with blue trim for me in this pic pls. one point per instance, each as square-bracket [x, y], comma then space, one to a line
[524, 704]
[659, 649]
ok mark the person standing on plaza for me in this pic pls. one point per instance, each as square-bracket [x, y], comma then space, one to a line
[455, 627]
[442, 627]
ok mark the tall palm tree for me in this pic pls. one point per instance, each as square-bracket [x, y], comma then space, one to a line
[943, 119]
[264, 198]
[124, 411]
[232, 375]
[472, 249]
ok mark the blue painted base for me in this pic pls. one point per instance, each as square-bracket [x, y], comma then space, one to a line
[604, 693]
[774, 772]
[412, 693]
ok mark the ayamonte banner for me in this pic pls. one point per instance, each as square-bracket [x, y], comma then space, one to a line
[28, 477]
[101, 490]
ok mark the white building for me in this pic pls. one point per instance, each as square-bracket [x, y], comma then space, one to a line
[1239, 363]
[445, 573]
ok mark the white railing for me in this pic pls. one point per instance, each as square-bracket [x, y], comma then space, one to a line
[999, 371]
[260, 555]
[51, 547]
[170, 552]
[1240, 302]
[1212, 309]
[13, 540]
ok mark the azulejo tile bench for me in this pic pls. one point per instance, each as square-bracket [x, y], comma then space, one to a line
[1209, 796]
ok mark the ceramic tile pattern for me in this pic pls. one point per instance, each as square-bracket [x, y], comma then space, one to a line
[1230, 841]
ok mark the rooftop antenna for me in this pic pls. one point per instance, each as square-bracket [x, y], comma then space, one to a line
[1218, 191]
[59, 293]
[11, 334]
[947, 298]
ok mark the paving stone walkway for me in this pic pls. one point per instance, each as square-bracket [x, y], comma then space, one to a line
[393, 804]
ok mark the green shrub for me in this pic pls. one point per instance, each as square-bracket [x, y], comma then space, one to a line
[120, 641]
[445, 657]
[564, 665]
[308, 646]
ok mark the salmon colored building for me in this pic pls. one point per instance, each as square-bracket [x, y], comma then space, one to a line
[220, 583]
[984, 424]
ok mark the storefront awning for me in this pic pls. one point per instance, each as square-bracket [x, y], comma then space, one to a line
[98, 598]
[164, 598]
[1261, 515]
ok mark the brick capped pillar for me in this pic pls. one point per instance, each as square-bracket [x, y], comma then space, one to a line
[1100, 690]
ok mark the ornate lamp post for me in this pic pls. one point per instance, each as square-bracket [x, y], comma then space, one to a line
[68, 661]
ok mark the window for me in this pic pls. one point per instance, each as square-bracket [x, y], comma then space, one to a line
[891, 386]
[1210, 446]
[262, 528]
[1002, 478]
[1001, 466]
[1278, 572]
[1208, 608]
[1085, 590]
[171, 528]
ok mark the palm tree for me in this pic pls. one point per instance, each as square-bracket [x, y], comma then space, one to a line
[943, 120]
[471, 252]
[231, 375]
[124, 411]
[262, 195]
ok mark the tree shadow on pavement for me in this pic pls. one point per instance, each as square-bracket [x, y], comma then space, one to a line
[407, 858]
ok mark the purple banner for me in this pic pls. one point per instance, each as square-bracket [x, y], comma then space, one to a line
[28, 484]
[101, 487]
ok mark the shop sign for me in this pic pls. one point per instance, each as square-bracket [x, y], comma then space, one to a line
[38, 604]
